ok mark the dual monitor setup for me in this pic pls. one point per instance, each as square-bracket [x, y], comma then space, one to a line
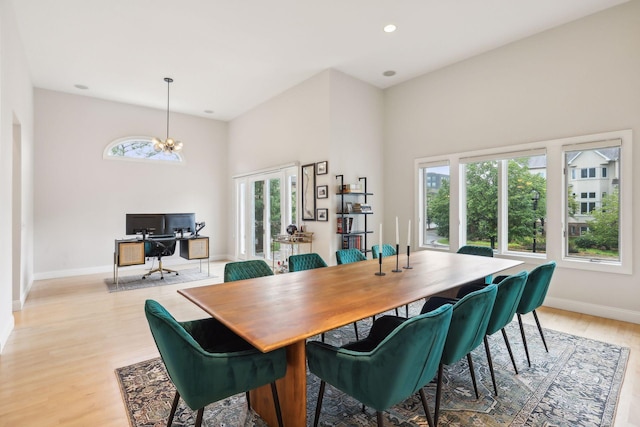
[168, 224]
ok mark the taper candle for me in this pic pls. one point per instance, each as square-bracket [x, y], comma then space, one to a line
[397, 233]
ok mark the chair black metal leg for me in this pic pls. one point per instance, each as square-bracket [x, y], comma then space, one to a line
[199, 418]
[506, 341]
[248, 400]
[438, 395]
[276, 403]
[397, 312]
[473, 375]
[524, 339]
[319, 404]
[535, 316]
[174, 406]
[493, 375]
[322, 336]
[379, 418]
[355, 327]
[423, 398]
[406, 309]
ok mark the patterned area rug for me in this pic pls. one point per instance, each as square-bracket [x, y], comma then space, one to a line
[136, 281]
[576, 384]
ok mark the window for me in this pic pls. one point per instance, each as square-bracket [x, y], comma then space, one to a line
[266, 203]
[434, 221]
[138, 148]
[598, 218]
[513, 200]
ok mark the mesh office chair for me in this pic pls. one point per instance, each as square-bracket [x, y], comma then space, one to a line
[159, 247]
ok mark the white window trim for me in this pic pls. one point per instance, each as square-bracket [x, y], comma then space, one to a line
[106, 156]
[556, 185]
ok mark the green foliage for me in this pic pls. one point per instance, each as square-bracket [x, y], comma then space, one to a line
[603, 229]
[438, 208]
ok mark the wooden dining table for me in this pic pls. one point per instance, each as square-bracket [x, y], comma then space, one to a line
[284, 310]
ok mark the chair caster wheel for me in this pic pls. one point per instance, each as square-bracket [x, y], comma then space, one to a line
[143, 277]
[177, 274]
[162, 278]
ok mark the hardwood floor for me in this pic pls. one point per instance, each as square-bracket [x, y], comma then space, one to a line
[57, 368]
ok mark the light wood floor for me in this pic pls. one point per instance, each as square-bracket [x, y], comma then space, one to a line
[57, 368]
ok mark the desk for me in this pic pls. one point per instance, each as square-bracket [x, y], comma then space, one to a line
[284, 310]
[129, 252]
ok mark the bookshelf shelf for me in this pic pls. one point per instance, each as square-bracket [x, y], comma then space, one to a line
[353, 211]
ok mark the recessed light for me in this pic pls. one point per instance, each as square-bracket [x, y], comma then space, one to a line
[389, 73]
[390, 28]
[208, 111]
[81, 87]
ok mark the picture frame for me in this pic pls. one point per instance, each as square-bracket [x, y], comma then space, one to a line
[348, 206]
[323, 214]
[322, 192]
[308, 181]
[322, 168]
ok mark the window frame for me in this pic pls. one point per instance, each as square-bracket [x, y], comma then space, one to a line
[556, 228]
[149, 140]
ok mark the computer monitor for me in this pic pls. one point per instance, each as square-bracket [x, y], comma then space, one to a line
[145, 224]
[180, 223]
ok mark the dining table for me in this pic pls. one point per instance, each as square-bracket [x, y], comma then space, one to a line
[284, 310]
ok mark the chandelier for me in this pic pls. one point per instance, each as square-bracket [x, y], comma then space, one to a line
[169, 145]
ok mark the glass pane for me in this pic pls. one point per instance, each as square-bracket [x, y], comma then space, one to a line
[436, 206]
[275, 213]
[593, 204]
[258, 219]
[242, 232]
[482, 203]
[141, 149]
[293, 200]
[527, 207]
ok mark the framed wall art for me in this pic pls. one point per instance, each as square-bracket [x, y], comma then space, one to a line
[322, 192]
[308, 192]
[322, 168]
[323, 214]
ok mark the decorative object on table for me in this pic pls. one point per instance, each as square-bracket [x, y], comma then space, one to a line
[550, 393]
[408, 267]
[323, 214]
[379, 273]
[322, 168]
[308, 192]
[291, 229]
[169, 145]
[322, 192]
[397, 269]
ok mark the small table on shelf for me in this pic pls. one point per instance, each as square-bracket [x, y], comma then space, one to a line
[291, 240]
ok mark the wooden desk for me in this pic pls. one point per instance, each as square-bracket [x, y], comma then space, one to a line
[284, 310]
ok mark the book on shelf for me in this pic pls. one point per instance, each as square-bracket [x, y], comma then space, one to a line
[361, 207]
[352, 242]
[344, 224]
[350, 188]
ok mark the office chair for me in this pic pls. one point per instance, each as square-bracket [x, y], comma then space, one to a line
[158, 247]
[385, 368]
[207, 362]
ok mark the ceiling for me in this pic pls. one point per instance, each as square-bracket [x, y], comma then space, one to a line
[228, 56]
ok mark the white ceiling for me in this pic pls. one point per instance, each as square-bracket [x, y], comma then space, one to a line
[231, 55]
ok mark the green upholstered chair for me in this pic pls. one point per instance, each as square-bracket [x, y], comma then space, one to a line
[246, 270]
[479, 251]
[387, 250]
[471, 315]
[386, 370]
[507, 299]
[347, 256]
[207, 362]
[305, 262]
[533, 296]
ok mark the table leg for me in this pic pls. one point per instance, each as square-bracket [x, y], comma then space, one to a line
[292, 391]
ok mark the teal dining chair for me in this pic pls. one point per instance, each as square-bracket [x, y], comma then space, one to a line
[384, 369]
[347, 256]
[305, 262]
[468, 328]
[387, 250]
[246, 270]
[478, 251]
[207, 362]
[535, 291]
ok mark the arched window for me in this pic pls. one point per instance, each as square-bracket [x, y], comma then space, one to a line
[139, 148]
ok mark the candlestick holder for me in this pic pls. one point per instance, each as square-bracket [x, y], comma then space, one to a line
[408, 267]
[380, 273]
[397, 270]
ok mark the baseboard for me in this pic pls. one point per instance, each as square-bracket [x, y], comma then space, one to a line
[109, 268]
[594, 309]
[6, 331]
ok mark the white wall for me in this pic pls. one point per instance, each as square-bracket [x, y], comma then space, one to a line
[581, 78]
[82, 199]
[331, 117]
[16, 106]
